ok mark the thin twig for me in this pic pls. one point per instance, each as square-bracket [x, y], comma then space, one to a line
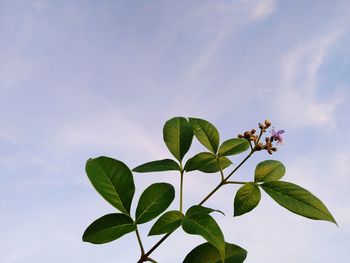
[140, 242]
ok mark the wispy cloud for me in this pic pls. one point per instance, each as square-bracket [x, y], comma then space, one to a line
[263, 9]
[228, 20]
[232, 21]
[104, 84]
[297, 98]
[108, 131]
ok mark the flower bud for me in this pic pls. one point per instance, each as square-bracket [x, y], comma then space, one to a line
[261, 126]
[253, 131]
[267, 123]
[247, 135]
[267, 139]
[259, 146]
[240, 136]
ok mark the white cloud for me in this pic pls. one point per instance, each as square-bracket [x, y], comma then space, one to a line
[231, 22]
[297, 100]
[105, 131]
[227, 20]
[108, 130]
[263, 9]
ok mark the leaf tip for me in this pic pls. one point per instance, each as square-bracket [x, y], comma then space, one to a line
[236, 214]
[85, 238]
[334, 222]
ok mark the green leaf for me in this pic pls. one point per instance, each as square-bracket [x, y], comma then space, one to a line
[246, 199]
[233, 146]
[178, 135]
[297, 200]
[206, 133]
[269, 170]
[198, 209]
[199, 160]
[206, 162]
[113, 180]
[108, 228]
[154, 201]
[207, 253]
[213, 166]
[168, 222]
[157, 166]
[205, 226]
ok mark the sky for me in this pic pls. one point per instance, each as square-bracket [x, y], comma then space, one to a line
[80, 79]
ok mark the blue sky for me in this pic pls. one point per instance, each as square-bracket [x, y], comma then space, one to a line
[80, 79]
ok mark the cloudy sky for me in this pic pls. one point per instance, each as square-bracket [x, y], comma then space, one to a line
[80, 79]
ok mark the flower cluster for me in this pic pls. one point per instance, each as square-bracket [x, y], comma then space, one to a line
[257, 145]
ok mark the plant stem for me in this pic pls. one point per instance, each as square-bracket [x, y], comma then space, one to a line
[211, 193]
[181, 188]
[225, 179]
[260, 134]
[251, 146]
[220, 168]
[145, 256]
[140, 242]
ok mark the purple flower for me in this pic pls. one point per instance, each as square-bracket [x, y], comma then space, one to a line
[277, 136]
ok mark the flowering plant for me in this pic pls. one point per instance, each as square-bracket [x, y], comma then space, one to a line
[114, 181]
